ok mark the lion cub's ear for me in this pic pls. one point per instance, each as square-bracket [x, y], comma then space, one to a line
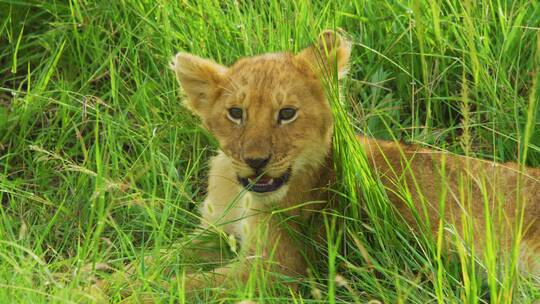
[330, 54]
[199, 78]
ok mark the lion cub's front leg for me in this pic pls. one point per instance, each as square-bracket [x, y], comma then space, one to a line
[269, 250]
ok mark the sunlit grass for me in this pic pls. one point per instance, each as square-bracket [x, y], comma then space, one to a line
[101, 166]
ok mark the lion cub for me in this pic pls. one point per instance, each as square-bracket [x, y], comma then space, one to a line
[274, 126]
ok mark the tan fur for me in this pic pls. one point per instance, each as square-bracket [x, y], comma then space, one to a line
[262, 85]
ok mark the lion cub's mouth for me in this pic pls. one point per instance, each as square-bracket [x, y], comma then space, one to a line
[264, 183]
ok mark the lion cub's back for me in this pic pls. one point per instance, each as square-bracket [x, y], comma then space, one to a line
[467, 184]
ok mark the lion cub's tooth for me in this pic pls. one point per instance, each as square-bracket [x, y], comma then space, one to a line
[268, 182]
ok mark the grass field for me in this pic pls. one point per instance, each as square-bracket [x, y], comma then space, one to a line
[100, 165]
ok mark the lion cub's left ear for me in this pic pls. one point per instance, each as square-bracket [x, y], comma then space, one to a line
[329, 55]
[199, 78]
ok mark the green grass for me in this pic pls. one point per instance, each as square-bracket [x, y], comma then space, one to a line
[100, 165]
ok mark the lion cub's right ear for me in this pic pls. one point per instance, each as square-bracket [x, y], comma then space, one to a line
[329, 56]
[199, 78]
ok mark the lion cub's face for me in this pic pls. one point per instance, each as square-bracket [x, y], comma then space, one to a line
[269, 113]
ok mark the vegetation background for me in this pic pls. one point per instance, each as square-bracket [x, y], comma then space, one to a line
[100, 165]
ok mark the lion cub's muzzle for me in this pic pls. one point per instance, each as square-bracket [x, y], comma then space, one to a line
[264, 183]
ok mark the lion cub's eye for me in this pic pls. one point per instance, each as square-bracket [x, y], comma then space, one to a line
[235, 114]
[286, 115]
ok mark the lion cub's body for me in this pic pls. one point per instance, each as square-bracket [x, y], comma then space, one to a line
[260, 87]
[469, 187]
[397, 165]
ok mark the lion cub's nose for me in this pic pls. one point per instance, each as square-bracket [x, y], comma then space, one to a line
[257, 163]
